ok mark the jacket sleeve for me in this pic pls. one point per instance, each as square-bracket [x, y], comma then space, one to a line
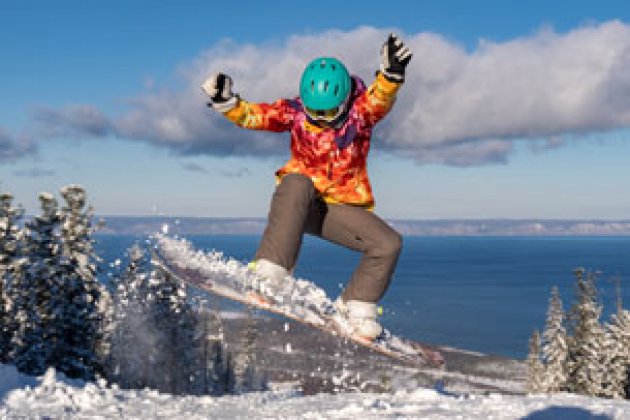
[377, 100]
[277, 116]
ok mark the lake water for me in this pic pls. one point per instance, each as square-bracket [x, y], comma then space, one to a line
[484, 294]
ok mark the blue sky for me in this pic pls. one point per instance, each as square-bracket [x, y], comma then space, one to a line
[511, 109]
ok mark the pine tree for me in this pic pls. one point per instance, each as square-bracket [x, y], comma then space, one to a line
[535, 369]
[77, 333]
[587, 360]
[216, 369]
[5, 332]
[618, 352]
[554, 346]
[11, 268]
[33, 294]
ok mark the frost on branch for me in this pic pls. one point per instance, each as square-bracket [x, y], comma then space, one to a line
[11, 267]
[586, 357]
[34, 294]
[586, 364]
[535, 368]
[554, 346]
[60, 307]
[618, 332]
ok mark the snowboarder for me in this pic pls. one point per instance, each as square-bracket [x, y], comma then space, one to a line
[324, 188]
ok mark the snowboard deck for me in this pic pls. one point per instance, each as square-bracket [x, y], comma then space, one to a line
[407, 351]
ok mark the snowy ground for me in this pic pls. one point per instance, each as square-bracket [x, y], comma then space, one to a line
[54, 396]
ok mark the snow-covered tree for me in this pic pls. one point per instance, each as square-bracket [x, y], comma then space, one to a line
[554, 346]
[618, 355]
[11, 267]
[587, 358]
[76, 231]
[33, 293]
[10, 233]
[535, 369]
[5, 332]
[76, 334]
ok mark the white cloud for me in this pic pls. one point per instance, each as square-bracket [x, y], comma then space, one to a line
[545, 85]
[71, 121]
[457, 107]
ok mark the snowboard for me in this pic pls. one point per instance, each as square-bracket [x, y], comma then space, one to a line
[300, 301]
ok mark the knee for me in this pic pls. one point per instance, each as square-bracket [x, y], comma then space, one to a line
[297, 186]
[391, 244]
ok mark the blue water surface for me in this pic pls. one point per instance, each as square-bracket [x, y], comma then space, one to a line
[484, 294]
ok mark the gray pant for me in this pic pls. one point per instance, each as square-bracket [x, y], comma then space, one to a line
[297, 208]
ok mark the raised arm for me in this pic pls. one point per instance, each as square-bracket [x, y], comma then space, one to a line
[277, 116]
[380, 96]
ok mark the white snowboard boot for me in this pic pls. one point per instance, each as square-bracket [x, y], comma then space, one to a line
[273, 279]
[360, 317]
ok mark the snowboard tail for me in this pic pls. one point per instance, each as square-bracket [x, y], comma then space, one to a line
[306, 303]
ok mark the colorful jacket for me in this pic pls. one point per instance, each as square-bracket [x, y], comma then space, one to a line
[334, 159]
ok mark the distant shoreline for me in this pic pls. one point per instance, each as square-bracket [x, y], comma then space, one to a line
[147, 225]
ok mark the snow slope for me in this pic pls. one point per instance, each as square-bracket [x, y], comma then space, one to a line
[54, 396]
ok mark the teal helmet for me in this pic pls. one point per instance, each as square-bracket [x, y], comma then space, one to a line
[325, 84]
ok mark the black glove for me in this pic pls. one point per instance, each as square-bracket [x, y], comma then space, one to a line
[219, 88]
[394, 58]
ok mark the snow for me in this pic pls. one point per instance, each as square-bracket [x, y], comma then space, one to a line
[298, 296]
[54, 396]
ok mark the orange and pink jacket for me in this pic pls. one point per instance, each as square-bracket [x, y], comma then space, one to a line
[334, 159]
